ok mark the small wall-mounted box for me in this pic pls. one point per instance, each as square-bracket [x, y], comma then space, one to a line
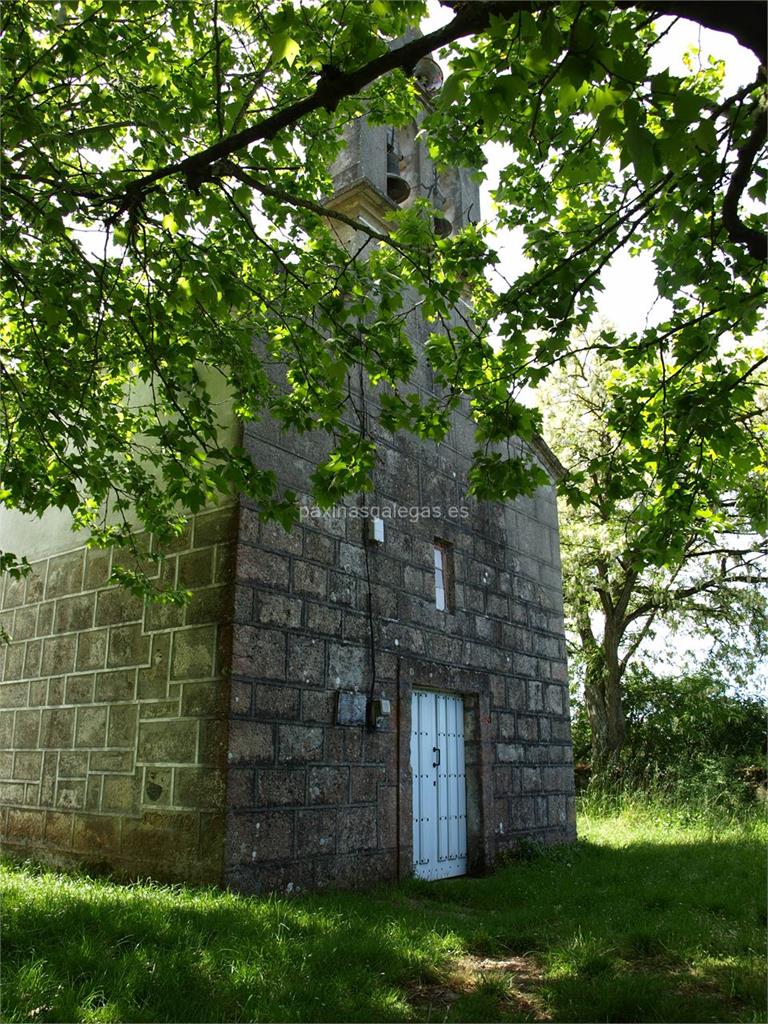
[376, 530]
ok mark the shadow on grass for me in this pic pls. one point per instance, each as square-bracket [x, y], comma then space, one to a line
[641, 932]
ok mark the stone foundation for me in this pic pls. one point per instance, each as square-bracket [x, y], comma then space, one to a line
[112, 728]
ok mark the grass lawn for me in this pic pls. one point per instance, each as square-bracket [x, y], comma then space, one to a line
[650, 917]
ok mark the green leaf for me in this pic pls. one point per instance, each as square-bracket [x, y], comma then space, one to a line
[284, 47]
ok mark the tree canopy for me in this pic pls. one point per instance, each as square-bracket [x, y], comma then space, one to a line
[165, 169]
[661, 514]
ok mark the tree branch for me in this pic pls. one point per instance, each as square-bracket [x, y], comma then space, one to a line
[755, 241]
[328, 93]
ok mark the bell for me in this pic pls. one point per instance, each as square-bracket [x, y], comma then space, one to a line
[428, 74]
[398, 188]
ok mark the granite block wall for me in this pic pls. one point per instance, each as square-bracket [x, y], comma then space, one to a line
[319, 611]
[112, 724]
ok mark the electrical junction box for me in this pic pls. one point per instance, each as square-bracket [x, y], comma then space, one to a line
[382, 708]
[376, 530]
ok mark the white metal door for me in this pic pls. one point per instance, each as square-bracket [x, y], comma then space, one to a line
[439, 786]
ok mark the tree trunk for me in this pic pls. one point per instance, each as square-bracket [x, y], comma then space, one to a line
[602, 692]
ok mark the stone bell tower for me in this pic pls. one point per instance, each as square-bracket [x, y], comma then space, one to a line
[383, 168]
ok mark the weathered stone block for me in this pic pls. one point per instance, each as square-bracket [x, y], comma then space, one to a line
[159, 709]
[70, 795]
[280, 787]
[509, 752]
[127, 646]
[97, 568]
[24, 624]
[352, 558]
[45, 618]
[277, 610]
[28, 765]
[162, 837]
[215, 527]
[32, 657]
[120, 794]
[14, 661]
[365, 782]
[241, 787]
[115, 686]
[198, 787]
[91, 650]
[224, 564]
[342, 589]
[306, 660]
[14, 695]
[79, 689]
[74, 613]
[193, 653]
[202, 698]
[25, 825]
[357, 829]
[506, 726]
[386, 816]
[309, 579]
[38, 691]
[251, 742]
[58, 829]
[258, 652]
[211, 604]
[111, 761]
[121, 731]
[212, 743]
[57, 727]
[272, 535]
[300, 743]
[327, 785]
[73, 764]
[15, 591]
[96, 834]
[65, 574]
[346, 665]
[322, 619]
[316, 832]
[319, 547]
[553, 699]
[91, 727]
[153, 681]
[12, 792]
[277, 702]
[527, 727]
[166, 742]
[196, 568]
[318, 706]
[262, 567]
[93, 792]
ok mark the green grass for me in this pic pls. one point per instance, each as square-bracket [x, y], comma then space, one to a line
[655, 915]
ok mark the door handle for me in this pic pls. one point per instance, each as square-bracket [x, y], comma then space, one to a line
[436, 750]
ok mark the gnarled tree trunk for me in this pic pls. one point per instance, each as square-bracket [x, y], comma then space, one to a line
[602, 693]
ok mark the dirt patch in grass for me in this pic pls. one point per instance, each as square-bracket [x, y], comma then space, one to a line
[513, 983]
